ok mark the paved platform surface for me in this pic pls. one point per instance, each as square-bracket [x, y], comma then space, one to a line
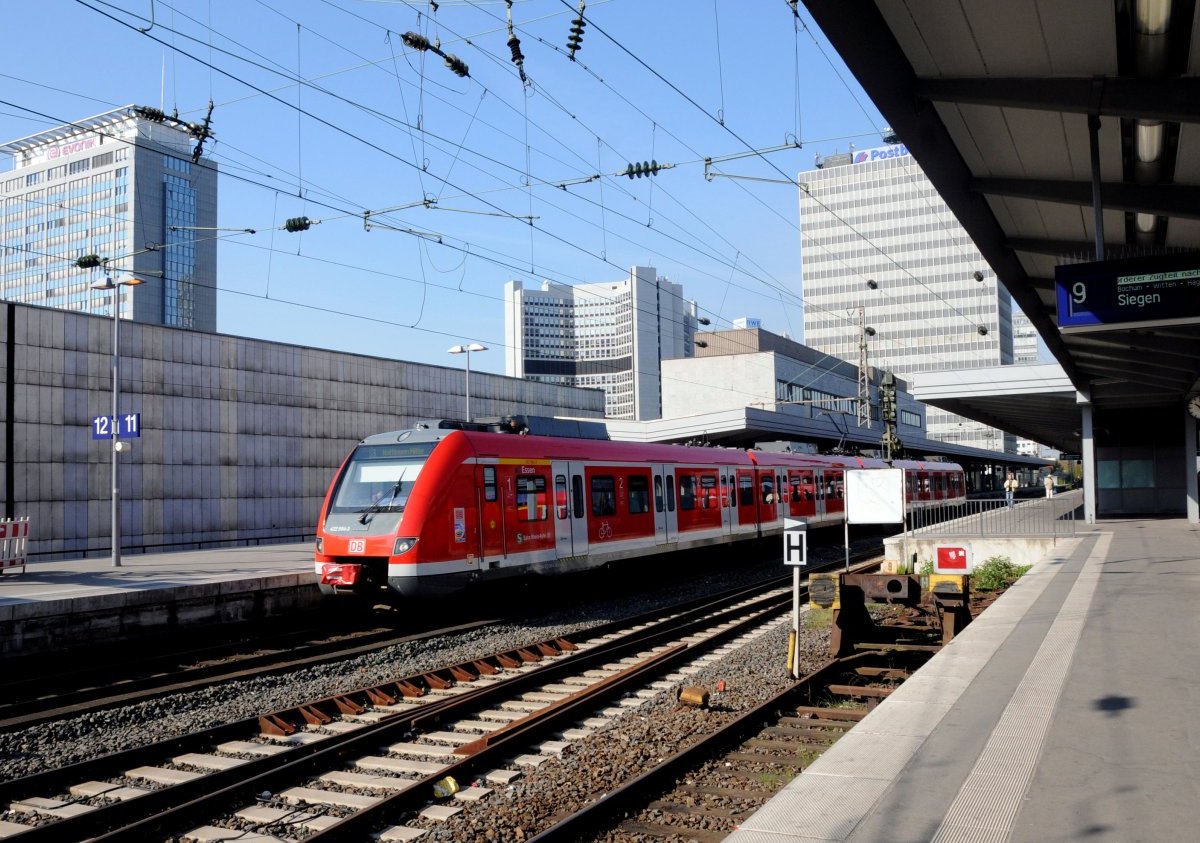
[1065, 712]
[88, 578]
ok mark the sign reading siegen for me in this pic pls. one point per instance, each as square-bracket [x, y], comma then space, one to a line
[880, 153]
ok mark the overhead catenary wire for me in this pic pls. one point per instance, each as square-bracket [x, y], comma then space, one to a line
[510, 265]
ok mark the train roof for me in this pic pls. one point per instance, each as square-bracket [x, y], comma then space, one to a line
[569, 448]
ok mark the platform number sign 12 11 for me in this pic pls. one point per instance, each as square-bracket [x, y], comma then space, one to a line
[128, 426]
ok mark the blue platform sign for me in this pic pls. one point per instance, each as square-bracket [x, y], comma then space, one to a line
[129, 426]
[1130, 293]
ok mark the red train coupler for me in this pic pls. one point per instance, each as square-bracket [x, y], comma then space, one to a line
[336, 574]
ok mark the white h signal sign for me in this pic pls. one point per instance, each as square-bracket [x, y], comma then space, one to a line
[795, 542]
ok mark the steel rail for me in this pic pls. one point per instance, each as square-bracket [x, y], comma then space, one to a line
[632, 794]
[300, 758]
[552, 719]
[180, 818]
[25, 713]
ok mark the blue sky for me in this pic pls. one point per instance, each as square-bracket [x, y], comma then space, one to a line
[676, 81]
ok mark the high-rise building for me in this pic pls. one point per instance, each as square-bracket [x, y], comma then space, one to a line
[1025, 340]
[888, 269]
[122, 186]
[611, 336]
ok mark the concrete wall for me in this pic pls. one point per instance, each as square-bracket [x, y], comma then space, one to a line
[240, 437]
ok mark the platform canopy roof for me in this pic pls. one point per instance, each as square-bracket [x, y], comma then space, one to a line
[994, 98]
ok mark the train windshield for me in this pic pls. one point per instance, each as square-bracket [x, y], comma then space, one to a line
[378, 478]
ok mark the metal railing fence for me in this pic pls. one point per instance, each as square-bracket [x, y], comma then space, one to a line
[994, 517]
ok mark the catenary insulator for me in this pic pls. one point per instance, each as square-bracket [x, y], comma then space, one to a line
[415, 41]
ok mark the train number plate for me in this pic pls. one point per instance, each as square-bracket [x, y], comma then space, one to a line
[357, 546]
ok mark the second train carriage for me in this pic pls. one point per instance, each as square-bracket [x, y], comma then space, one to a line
[427, 512]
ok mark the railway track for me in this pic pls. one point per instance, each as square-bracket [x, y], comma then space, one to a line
[29, 701]
[702, 792]
[33, 693]
[315, 760]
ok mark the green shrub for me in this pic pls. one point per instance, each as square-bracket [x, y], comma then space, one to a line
[926, 568]
[996, 572]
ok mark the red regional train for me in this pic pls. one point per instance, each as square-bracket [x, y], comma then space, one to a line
[429, 511]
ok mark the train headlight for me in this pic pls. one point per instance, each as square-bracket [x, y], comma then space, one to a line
[321, 544]
[403, 545]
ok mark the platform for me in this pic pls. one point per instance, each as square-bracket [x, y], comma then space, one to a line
[72, 602]
[1065, 712]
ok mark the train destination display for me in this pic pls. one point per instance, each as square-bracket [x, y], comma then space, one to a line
[1138, 292]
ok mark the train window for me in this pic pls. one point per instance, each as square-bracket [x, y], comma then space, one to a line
[639, 494]
[658, 493]
[577, 495]
[604, 495]
[794, 488]
[489, 483]
[560, 496]
[731, 499]
[768, 488]
[687, 492]
[531, 498]
[708, 492]
[670, 493]
[745, 491]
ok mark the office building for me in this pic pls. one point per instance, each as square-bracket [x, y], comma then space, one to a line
[888, 270]
[122, 186]
[611, 336]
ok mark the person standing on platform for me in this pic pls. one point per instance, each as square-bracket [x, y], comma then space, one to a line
[1010, 486]
[1049, 482]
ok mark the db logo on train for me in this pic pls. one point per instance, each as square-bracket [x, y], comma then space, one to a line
[357, 546]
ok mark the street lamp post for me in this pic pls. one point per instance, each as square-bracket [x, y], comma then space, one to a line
[467, 349]
[115, 287]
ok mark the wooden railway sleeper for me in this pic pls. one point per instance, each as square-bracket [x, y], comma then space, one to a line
[313, 716]
[345, 705]
[461, 674]
[436, 682]
[484, 668]
[273, 724]
[378, 697]
[408, 690]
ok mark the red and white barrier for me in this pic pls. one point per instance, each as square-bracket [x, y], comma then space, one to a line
[14, 533]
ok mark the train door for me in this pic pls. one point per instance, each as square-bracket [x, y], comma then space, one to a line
[570, 531]
[577, 510]
[664, 517]
[747, 500]
[728, 500]
[801, 492]
[835, 491]
[768, 510]
[490, 490]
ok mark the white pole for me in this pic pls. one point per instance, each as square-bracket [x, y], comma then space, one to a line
[795, 665]
[468, 386]
[846, 524]
[116, 424]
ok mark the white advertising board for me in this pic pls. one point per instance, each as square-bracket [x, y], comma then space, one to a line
[875, 496]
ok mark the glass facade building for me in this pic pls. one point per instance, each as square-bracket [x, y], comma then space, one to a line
[122, 186]
[880, 248]
[611, 336]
